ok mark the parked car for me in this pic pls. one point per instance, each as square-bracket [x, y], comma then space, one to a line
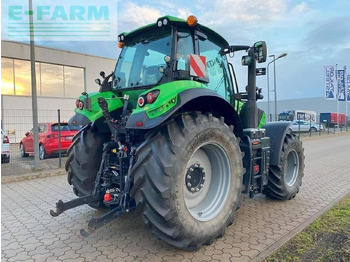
[48, 139]
[5, 148]
[305, 126]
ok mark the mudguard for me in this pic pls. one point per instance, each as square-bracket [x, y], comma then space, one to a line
[277, 132]
[190, 99]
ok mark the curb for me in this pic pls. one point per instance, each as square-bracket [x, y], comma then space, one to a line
[36, 175]
[270, 249]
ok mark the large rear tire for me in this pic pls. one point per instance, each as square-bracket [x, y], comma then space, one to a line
[188, 179]
[286, 179]
[84, 159]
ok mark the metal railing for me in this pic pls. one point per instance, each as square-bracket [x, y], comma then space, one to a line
[15, 123]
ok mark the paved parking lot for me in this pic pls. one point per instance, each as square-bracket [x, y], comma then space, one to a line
[29, 233]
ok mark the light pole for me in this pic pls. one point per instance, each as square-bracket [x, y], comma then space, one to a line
[268, 84]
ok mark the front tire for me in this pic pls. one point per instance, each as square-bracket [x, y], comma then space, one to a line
[285, 179]
[188, 179]
[84, 159]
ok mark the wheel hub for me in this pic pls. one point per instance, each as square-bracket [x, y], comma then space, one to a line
[195, 178]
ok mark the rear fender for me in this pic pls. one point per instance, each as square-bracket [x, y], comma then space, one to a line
[277, 132]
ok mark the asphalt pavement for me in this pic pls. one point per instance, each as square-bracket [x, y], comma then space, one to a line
[29, 233]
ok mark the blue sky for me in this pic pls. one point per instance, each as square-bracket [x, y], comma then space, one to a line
[313, 33]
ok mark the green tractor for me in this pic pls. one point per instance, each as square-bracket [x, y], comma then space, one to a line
[170, 134]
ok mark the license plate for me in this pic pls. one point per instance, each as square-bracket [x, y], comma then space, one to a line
[69, 137]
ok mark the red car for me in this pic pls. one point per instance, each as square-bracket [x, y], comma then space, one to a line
[48, 139]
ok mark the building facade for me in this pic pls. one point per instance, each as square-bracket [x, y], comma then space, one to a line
[61, 76]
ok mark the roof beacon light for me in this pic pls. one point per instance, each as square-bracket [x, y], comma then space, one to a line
[120, 44]
[192, 20]
[160, 23]
[165, 21]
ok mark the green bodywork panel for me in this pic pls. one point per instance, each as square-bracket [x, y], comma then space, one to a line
[262, 120]
[114, 103]
[167, 98]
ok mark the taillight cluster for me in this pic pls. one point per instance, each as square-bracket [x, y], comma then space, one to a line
[79, 104]
[149, 98]
[6, 139]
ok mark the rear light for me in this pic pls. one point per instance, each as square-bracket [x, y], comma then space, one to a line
[6, 140]
[150, 98]
[79, 104]
[141, 101]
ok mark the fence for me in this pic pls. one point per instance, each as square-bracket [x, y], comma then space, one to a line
[15, 123]
[312, 127]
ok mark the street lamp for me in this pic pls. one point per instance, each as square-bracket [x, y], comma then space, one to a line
[268, 86]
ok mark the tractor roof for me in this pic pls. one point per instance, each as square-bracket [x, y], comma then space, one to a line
[177, 21]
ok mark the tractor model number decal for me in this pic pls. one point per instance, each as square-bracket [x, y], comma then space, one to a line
[198, 65]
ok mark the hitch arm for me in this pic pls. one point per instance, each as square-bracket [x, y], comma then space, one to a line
[95, 223]
[63, 206]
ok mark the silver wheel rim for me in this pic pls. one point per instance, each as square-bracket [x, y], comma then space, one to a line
[210, 172]
[292, 168]
[42, 151]
[21, 148]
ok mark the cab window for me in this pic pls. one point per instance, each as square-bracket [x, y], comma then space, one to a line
[184, 49]
[217, 70]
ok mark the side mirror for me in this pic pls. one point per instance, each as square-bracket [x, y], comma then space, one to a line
[98, 81]
[103, 74]
[27, 133]
[260, 50]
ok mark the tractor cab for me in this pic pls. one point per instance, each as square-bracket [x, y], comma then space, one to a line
[173, 49]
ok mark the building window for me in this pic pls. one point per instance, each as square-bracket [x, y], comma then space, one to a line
[51, 80]
[7, 83]
[73, 81]
[22, 78]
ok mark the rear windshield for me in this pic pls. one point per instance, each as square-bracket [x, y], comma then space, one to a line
[65, 127]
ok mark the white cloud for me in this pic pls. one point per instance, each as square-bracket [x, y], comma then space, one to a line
[135, 15]
[300, 8]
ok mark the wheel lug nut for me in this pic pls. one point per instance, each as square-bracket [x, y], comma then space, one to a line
[197, 189]
[188, 177]
[203, 178]
[191, 169]
[196, 165]
[192, 189]
[189, 185]
[201, 185]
